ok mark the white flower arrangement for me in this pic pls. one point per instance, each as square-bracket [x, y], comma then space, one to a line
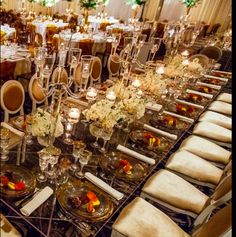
[104, 112]
[43, 124]
[121, 91]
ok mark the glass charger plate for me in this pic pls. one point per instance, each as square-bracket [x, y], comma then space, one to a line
[169, 123]
[123, 166]
[17, 174]
[194, 98]
[204, 89]
[69, 190]
[213, 81]
[18, 122]
[150, 141]
[184, 110]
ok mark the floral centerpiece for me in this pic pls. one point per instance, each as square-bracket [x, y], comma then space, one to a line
[190, 4]
[43, 124]
[121, 91]
[105, 113]
[87, 5]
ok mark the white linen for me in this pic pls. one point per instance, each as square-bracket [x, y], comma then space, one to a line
[221, 107]
[209, 96]
[225, 97]
[194, 167]
[9, 31]
[153, 106]
[104, 186]
[205, 149]
[224, 79]
[136, 155]
[15, 131]
[216, 87]
[216, 118]
[213, 131]
[186, 119]
[37, 201]
[189, 103]
[158, 131]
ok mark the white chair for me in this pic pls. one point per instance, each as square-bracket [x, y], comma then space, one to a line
[139, 218]
[36, 92]
[194, 169]
[114, 66]
[175, 193]
[207, 150]
[12, 98]
[96, 71]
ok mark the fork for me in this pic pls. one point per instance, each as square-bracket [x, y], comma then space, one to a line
[17, 203]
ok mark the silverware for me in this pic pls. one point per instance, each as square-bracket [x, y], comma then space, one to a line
[29, 199]
[17, 203]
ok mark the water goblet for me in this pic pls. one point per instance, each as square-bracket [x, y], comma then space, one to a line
[43, 164]
[78, 147]
[4, 142]
[106, 134]
[83, 160]
[28, 137]
[95, 130]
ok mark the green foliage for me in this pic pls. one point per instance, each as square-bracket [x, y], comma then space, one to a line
[136, 2]
[88, 4]
[190, 3]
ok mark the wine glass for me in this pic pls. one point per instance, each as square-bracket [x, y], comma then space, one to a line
[28, 136]
[83, 160]
[95, 130]
[106, 134]
[156, 45]
[4, 141]
[78, 147]
[43, 164]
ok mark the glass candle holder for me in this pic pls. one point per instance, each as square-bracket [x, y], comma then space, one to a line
[91, 94]
[73, 115]
[111, 96]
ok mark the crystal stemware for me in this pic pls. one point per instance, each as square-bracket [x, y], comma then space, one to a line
[78, 147]
[28, 137]
[156, 45]
[95, 130]
[83, 160]
[106, 134]
[43, 164]
[86, 63]
[4, 141]
[73, 59]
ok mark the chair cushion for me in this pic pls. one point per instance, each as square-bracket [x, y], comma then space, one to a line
[174, 190]
[225, 97]
[139, 218]
[216, 118]
[194, 166]
[221, 107]
[213, 131]
[206, 149]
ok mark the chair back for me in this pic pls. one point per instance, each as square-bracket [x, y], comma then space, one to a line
[96, 71]
[212, 52]
[114, 65]
[36, 92]
[214, 28]
[63, 78]
[222, 194]
[12, 98]
[147, 32]
[220, 224]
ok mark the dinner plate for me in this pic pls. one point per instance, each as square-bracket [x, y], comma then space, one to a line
[123, 166]
[18, 122]
[150, 141]
[68, 191]
[17, 174]
[204, 89]
[169, 123]
[194, 98]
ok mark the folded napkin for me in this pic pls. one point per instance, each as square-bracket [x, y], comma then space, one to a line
[223, 72]
[153, 106]
[218, 78]
[77, 101]
[213, 131]
[216, 87]
[13, 130]
[205, 149]
[104, 186]
[221, 107]
[37, 201]
[189, 103]
[225, 97]
[209, 96]
[186, 119]
[158, 131]
[193, 166]
[136, 155]
[216, 118]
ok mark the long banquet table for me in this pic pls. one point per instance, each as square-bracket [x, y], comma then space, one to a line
[48, 219]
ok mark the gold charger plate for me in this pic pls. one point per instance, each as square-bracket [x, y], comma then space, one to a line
[112, 163]
[77, 188]
[17, 174]
[142, 138]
